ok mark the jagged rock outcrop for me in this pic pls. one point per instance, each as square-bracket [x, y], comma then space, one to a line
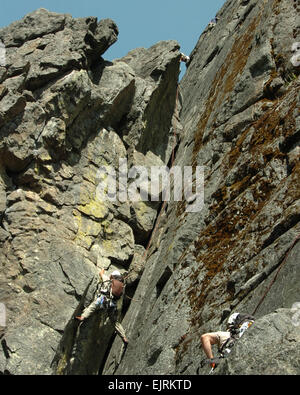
[64, 113]
[240, 113]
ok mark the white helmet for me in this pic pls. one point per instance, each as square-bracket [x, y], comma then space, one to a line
[116, 273]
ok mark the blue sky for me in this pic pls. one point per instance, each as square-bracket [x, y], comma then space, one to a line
[141, 23]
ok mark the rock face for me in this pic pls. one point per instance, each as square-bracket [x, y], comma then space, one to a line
[240, 114]
[65, 113]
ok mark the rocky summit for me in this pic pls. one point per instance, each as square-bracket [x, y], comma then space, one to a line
[66, 114]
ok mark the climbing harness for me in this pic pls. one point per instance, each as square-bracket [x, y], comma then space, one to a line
[103, 301]
[110, 292]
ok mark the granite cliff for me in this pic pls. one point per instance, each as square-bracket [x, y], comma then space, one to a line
[65, 112]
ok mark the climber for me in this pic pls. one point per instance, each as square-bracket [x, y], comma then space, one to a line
[184, 58]
[111, 289]
[213, 23]
[237, 324]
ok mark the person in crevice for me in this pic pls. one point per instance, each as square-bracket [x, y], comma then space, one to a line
[110, 290]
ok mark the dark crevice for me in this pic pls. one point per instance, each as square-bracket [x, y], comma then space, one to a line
[212, 56]
[27, 289]
[247, 12]
[128, 297]
[5, 348]
[280, 229]
[68, 339]
[154, 357]
[108, 349]
[164, 278]
[288, 144]
[245, 15]
[1, 221]
[96, 70]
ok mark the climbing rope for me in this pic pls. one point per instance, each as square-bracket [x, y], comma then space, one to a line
[277, 273]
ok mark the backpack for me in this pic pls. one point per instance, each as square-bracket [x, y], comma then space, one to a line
[237, 324]
[117, 286]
